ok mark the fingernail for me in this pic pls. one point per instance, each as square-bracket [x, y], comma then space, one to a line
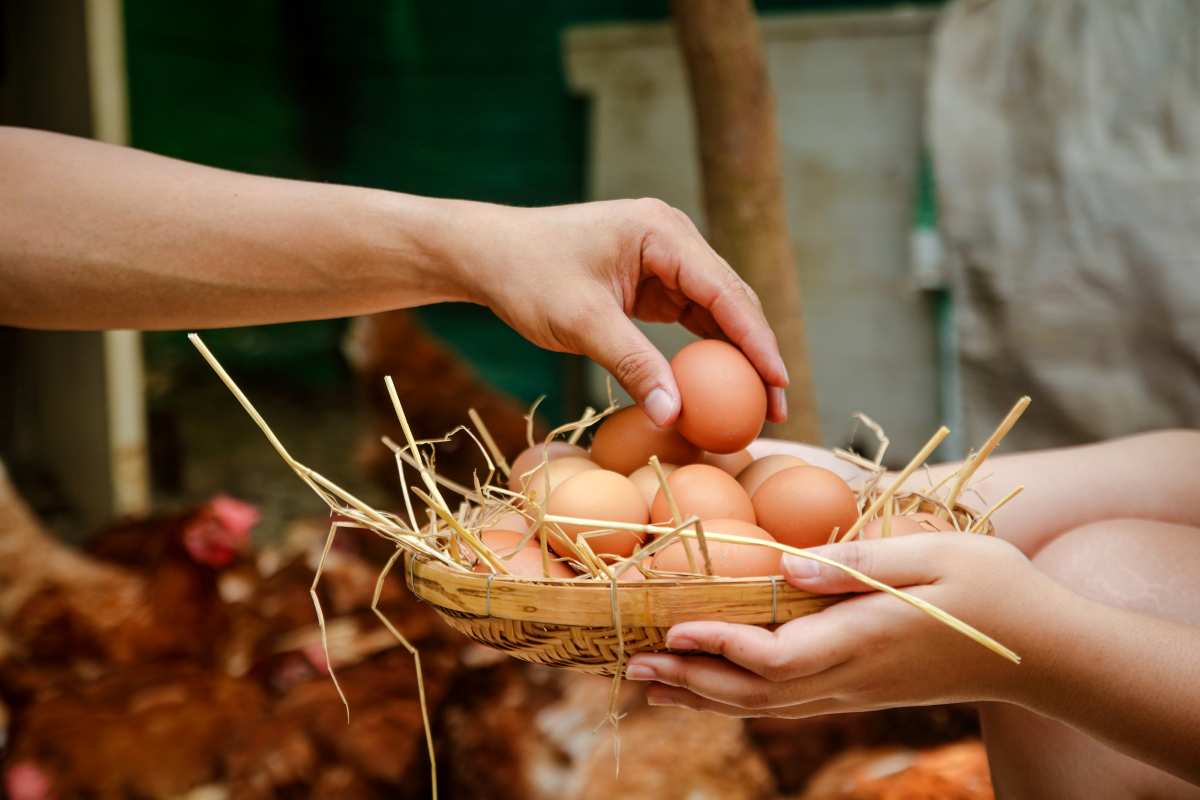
[659, 407]
[800, 569]
[782, 400]
[639, 672]
[682, 643]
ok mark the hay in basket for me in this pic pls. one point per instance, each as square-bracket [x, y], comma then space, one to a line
[597, 619]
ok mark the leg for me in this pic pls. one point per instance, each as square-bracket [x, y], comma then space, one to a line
[1149, 567]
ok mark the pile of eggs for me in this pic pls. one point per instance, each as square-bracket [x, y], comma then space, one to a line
[708, 469]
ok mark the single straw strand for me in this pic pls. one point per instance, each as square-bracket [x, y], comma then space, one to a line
[976, 461]
[886, 495]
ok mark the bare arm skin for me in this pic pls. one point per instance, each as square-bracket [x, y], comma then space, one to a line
[94, 236]
[1154, 476]
[1125, 678]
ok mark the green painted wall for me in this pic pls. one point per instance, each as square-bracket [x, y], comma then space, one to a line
[464, 98]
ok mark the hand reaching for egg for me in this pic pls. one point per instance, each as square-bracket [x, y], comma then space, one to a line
[868, 652]
[575, 276]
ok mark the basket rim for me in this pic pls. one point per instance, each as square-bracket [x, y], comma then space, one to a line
[660, 602]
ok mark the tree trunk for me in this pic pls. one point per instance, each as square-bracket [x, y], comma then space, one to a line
[743, 178]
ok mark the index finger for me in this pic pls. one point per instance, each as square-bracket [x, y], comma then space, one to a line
[708, 281]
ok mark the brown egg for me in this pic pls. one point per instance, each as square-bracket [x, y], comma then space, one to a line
[600, 494]
[733, 463]
[903, 525]
[559, 470]
[801, 506]
[627, 439]
[758, 471]
[723, 400]
[646, 479]
[504, 542]
[527, 562]
[728, 560]
[707, 492]
[531, 458]
[511, 521]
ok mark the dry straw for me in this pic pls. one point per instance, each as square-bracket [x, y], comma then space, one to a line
[595, 621]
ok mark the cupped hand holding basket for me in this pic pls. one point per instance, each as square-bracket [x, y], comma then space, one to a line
[868, 652]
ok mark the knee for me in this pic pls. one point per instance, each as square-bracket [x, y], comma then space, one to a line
[1139, 565]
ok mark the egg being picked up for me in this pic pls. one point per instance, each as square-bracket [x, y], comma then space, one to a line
[801, 506]
[723, 399]
[704, 491]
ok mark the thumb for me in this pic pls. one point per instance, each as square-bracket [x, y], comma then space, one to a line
[620, 347]
[900, 561]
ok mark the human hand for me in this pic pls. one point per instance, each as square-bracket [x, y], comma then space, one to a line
[871, 651]
[571, 278]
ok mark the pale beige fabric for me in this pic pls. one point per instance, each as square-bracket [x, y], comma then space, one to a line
[1066, 142]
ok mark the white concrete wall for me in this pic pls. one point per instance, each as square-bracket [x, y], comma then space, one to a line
[850, 94]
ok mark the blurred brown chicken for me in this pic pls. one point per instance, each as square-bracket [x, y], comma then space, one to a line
[148, 589]
[951, 772]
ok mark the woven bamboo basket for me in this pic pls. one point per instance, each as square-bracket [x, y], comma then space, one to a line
[596, 621]
[565, 623]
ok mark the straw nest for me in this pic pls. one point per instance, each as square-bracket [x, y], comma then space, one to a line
[596, 620]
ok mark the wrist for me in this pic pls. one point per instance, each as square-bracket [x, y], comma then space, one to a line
[465, 240]
[412, 248]
[1051, 642]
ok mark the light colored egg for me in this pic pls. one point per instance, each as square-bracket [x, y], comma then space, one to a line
[801, 506]
[723, 400]
[733, 463]
[626, 440]
[753, 475]
[705, 491]
[728, 560]
[646, 479]
[557, 471]
[605, 495]
[906, 524]
[531, 457]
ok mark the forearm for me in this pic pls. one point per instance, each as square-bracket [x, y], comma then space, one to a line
[96, 236]
[1149, 476]
[1124, 678]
